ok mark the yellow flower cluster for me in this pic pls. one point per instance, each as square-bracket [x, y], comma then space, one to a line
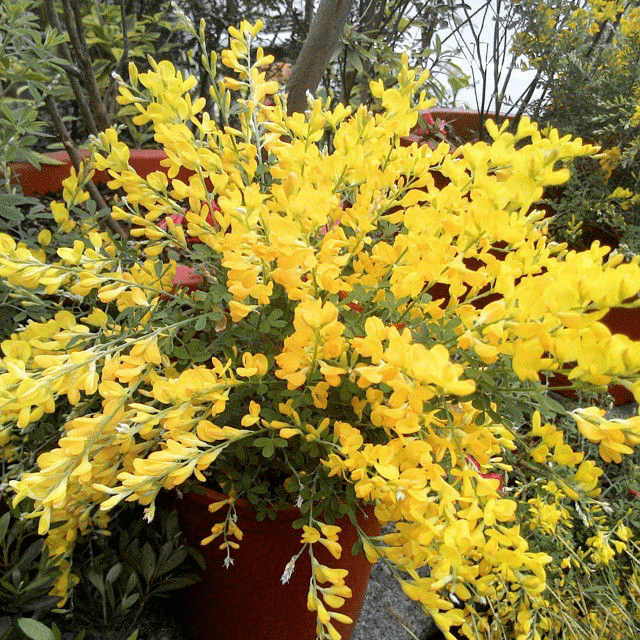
[616, 436]
[393, 297]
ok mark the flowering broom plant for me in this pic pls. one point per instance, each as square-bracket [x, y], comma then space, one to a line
[302, 317]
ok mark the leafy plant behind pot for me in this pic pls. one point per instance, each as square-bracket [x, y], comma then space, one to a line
[26, 576]
[121, 574]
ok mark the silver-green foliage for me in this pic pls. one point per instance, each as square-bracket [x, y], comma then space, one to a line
[29, 71]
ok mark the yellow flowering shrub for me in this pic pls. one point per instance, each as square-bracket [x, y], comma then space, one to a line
[301, 306]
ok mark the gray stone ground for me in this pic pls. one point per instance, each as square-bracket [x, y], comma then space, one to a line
[387, 614]
[623, 411]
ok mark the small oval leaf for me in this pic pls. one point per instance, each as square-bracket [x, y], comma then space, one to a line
[35, 630]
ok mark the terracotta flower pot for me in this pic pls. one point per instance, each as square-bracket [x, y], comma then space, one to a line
[248, 600]
[466, 123]
[48, 178]
[627, 322]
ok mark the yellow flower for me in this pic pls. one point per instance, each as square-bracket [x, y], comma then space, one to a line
[44, 237]
[317, 334]
[253, 416]
[345, 266]
[601, 550]
[310, 535]
[612, 435]
[587, 476]
[253, 365]
[544, 515]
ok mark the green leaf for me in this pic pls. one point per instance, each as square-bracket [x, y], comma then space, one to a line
[176, 582]
[35, 630]
[97, 581]
[553, 405]
[36, 159]
[114, 573]
[174, 560]
[10, 213]
[129, 601]
[148, 562]
[133, 582]
[354, 61]
[32, 552]
[201, 323]
[4, 525]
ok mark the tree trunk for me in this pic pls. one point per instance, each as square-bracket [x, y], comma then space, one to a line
[317, 50]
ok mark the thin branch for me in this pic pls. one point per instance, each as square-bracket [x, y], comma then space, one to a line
[75, 159]
[73, 20]
[526, 96]
[101, 19]
[497, 96]
[125, 36]
[72, 71]
[94, 91]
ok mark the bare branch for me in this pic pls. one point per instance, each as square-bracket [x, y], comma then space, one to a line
[73, 22]
[72, 71]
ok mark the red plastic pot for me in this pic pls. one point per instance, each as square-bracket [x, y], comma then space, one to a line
[48, 178]
[467, 124]
[627, 322]
[247, 600]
